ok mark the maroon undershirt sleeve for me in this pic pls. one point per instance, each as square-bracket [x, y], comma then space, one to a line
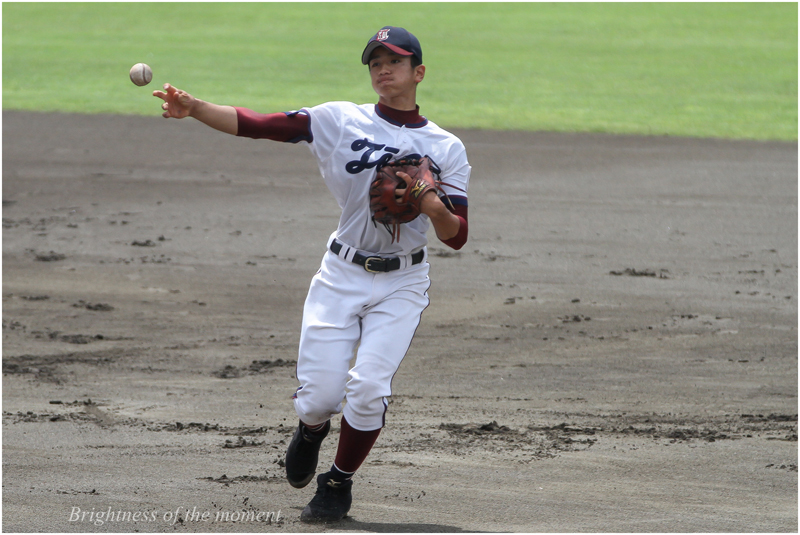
[286, 127]
[458, 241]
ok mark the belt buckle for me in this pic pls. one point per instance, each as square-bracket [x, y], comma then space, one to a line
[376, 259]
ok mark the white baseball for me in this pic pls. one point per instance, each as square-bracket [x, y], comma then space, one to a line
[141, 74]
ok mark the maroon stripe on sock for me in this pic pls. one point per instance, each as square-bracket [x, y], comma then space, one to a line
[354, 446]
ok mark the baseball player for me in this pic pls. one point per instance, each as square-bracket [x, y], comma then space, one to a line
[371, 289]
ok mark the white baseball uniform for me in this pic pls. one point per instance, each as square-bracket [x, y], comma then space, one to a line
[350, 310]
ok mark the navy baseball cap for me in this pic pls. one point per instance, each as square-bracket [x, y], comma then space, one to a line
[398, 40]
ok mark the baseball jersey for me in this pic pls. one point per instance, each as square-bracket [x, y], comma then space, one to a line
[350, 141]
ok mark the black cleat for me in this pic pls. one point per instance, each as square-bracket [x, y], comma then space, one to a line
[331, 502]
[303, 454]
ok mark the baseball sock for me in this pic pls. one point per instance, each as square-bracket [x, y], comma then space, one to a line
[338, 475]
[353, 448]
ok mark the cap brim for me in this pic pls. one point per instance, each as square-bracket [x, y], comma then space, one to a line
[375, 44]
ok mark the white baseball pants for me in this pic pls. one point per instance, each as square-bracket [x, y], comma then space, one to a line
[350, 311]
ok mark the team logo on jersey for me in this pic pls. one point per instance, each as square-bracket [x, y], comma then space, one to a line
[370, 160]
[366, 161]
[383, 35]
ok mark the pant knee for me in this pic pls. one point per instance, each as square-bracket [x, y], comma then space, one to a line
[316, 407]
[366, 405]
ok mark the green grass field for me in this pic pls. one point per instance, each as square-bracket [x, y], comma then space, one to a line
[688, 69]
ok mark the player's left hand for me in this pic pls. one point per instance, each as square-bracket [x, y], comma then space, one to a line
[426, 202]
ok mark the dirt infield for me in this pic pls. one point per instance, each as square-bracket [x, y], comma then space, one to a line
[615, 348]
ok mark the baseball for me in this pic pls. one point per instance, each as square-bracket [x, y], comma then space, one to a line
[141, 74]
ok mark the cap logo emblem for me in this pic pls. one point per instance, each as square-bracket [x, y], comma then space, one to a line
[383, 35]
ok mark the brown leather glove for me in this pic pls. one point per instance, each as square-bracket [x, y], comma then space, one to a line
[387, 205]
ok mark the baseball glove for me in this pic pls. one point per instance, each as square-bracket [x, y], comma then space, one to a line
[391, 209]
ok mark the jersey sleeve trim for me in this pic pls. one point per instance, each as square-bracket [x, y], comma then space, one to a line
[458, 200]
[320, 117]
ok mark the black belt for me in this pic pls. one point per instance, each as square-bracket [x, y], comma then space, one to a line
[377, 264]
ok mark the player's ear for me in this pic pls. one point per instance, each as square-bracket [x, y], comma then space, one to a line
[419, 73]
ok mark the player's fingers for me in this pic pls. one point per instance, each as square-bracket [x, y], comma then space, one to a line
[404, 176]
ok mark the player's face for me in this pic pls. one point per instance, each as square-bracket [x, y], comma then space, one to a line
[392, 74]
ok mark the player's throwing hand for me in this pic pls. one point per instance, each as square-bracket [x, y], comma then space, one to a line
[177, 103]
